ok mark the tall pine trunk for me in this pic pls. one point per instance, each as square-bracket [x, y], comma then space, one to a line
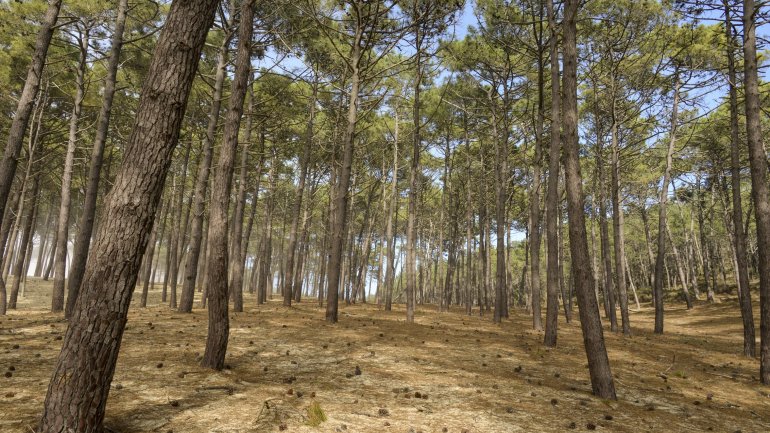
[219, 324]
[77, 393]
[593, 336]
[88, 215]
[759, 182]
[60, 264]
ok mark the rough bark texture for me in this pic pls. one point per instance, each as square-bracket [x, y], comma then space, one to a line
[219, 323]
[83, 238]
[759, 182]
[590, 323]
[77, 393]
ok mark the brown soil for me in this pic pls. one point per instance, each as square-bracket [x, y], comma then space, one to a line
[447, 371]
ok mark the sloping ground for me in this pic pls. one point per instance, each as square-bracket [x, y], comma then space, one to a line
[447, 372]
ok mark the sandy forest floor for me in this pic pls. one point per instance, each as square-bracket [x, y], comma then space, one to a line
[447, 372]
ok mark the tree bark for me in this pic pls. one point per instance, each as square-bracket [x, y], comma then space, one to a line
[21, 257]
[663, 199]
[593, 336]
[288, 279]
[60, 264]
[201, 185]
[219, 322]
[88, 215]
[77, 393]
[24, 111]
[739, 235]
[759, 182]
[552, 195]
[340, 217]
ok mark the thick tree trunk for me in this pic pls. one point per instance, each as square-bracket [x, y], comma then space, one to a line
[88, 215]
[77, 393]
[219, 322]
[60, 264]
[593, 336]
[759, 182]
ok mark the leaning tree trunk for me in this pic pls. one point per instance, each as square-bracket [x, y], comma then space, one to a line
[759, 182]
[86, 226]
[739, 235]
[657, 290]
[219, 324]
[593, 336]
[60, 265]
[552, 195]
[25, 107]
[77, 393]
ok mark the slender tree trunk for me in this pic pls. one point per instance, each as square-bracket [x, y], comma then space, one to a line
[236, 251]
[21, 257]
[759, 182]
[552, 195]
[340, 217]
[60, 264]
[86, 226]
[739, 235]
[43, 244]
[660, 259]
[201, 185]
[501, 191]
[24, 109]
[593, 336]
[288, 278]
[618, 229]
[177, 233]
[219, 322]
[604, 235]
[77, 393]
[150, 254]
